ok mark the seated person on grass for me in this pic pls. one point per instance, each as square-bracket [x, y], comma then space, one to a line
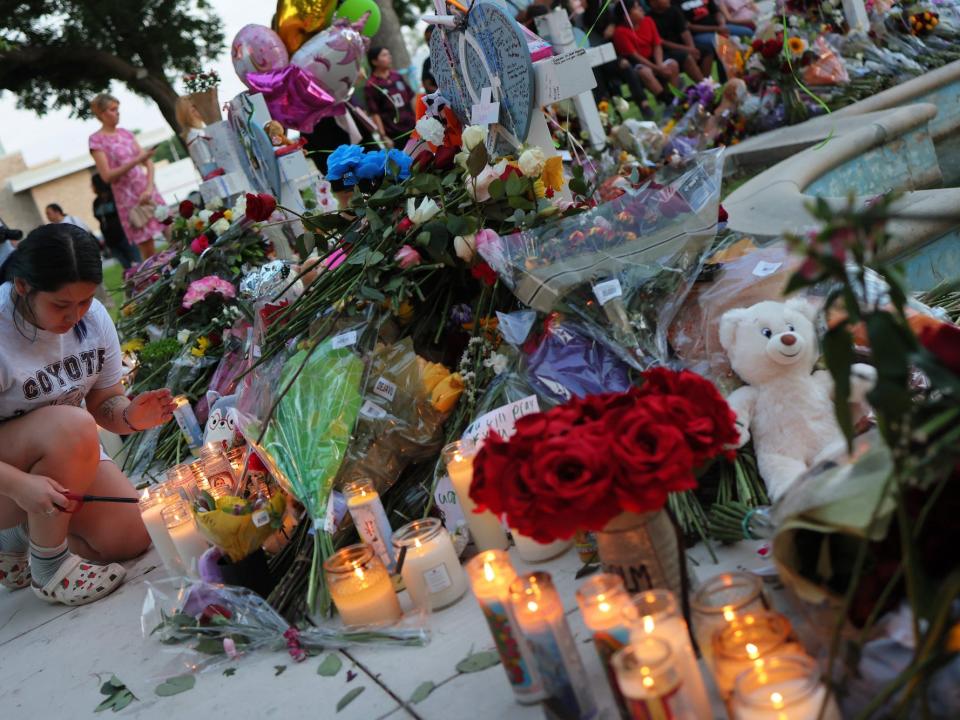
[678, 41]
[636, 40]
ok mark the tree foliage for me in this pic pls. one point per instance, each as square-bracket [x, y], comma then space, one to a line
[59, 53]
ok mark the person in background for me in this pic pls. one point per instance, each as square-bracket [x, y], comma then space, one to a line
[678, 41]
[55, 214]
[129, 169]
[390, 101]
[739, 12]
[427, 80]
[105, 210]
[705, 21]
[636, 40]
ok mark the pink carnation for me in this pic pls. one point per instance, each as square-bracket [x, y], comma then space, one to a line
[407, 257]
[200, 289]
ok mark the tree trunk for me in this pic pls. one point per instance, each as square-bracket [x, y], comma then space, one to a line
[390, 35]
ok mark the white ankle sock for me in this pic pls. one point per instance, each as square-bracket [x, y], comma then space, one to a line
[44, 561]
[15, 540]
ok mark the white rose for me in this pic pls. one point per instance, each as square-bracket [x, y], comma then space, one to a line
[161, 213]
[220, 226]
[497, 362]
[531, 162]
[473, 135]
[183, 337]
[620, 104]
[465, 246]
[427, 210]
[430, 129]
[479, 187]
[214, 204]
[240, 206]
[205, 215]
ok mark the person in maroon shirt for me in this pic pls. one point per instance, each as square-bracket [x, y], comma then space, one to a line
[390, 101]
[636, 40]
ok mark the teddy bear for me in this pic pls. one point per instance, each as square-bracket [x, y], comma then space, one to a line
[788, 408]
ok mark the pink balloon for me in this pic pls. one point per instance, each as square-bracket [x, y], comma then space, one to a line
[333, 58]
[257, 49]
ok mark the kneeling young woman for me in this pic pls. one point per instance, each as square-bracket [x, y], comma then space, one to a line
[59, 379]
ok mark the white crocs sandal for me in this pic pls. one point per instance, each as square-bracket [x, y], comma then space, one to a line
[14, 570]
[79, 582]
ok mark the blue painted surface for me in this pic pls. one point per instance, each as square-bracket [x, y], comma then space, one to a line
[936, 261]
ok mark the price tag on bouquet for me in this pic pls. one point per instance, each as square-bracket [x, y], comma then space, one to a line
[607, 290]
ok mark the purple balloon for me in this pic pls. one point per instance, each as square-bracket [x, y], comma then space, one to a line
[294, 98]
[257, 49]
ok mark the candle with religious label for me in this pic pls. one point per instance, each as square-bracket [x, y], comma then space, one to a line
[532, 551]
[719, 602]
[366, 509]
[429, 566]
[360, 587]
[655, 613]
[787, 687]
[603, 600]
[490, 575]
[745, 643]
[539, 614]
[187, 538]
[216, 468]
[652, 683]
[485, 527]
[152, 502]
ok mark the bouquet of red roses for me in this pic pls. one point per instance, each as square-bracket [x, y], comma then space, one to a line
[579, 465]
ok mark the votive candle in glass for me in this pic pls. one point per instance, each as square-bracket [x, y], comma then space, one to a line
[652, 683]
[539, 613]
[603, 600]
[429, 566]
[366, 509]
[786, 687]
[745, 643]
[491, 574]
[718, 602]
[360, 587]
[656, 614]
[152, 502]
[485, 527]
[187, 538]
[182, 482]
[216, 468]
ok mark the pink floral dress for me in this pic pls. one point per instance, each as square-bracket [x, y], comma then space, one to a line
[119, 147]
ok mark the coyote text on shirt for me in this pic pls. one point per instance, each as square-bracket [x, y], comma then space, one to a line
[39, 368]
[699, 12]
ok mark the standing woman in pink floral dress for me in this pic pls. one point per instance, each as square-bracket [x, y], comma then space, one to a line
[129, 170]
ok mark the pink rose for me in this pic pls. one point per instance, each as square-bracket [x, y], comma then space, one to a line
[199, 244]
[407, 257]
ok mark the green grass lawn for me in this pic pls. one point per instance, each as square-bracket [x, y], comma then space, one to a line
[113, 283]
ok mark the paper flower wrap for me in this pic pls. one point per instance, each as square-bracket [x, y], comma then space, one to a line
[236, 533]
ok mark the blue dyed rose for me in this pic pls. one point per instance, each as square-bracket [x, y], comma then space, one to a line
[398, 164]
[371, 166]
[343, 162]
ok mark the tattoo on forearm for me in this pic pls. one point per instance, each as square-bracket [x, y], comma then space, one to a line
[112, 407]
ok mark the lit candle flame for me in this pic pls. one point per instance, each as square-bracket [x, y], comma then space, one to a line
[532, 606]
[728, 614]
[648, 624]
[604, 607]
[359, 573]
[416, 542]
[648, 682]
[488, 572]
[777, 700]
[753, 652]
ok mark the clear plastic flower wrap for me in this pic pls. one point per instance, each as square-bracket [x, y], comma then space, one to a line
[206, 625]
[625, 266]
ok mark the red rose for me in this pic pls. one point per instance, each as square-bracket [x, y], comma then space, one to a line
[943, 341]
[483, 272]
[511, 170]
[260, 206]
[444, 158]
[423, 160]
[722, 215]
[199, 244]
[403, 227]
[757, 45]
[771, 48]
[216, 216]
[186, 209]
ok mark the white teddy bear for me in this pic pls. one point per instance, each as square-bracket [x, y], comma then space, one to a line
[789, 409]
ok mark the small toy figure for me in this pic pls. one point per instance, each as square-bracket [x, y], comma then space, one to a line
[198, 142]
[278, 138]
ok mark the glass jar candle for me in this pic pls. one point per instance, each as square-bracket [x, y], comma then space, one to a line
[718, 602]
[152, 502]
[366, 509]
[360, 587]
[652, 683]
[187, 538]
[786, 687]
[745, 643]
[485, 527]
[182, 481]
[237, 459]
[216, 468]
[429, 564]
[539, 613]
[603, 599]
[656, 614]
[491, 575]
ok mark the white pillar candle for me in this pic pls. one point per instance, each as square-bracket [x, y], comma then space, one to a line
[366, 509]
[186, 536]
[602, 600]
[429, 564]
[361, 588]
[152, 503]
[485, 527]
[651, 682]
[655, 614]
[532, 551]
[787, 687]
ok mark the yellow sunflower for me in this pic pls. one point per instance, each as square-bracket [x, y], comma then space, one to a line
[135, 345]
[552, 174]
[603, 106]
[201, 347]
[797, 46]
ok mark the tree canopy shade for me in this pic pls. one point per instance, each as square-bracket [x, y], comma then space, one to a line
[60, 53]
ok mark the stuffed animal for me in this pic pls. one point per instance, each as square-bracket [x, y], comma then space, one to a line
[788, 408]
[222, 424]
